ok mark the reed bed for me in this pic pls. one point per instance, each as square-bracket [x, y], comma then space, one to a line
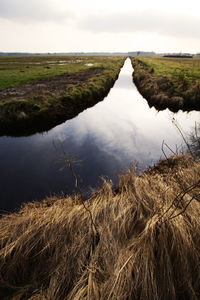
[139, 240]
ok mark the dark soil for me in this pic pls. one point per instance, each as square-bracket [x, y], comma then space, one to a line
[52, 84]
[40, 105]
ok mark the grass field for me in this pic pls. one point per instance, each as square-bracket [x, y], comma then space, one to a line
[137, 241]
[169, 82]
[15, 70]
[38, 92]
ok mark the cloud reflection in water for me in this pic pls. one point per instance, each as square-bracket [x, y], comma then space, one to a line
[124, 126]
[106, 137]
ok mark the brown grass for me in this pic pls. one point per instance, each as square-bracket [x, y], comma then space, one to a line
[147, 247]
[162, 90]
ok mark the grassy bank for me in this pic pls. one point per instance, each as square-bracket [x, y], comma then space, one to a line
[172, 83]
[39, 92]
[138, 241]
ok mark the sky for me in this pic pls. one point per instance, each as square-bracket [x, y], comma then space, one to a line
[99, 25]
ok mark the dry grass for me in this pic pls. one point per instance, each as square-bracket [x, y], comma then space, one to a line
[146, 245]
[168, 83]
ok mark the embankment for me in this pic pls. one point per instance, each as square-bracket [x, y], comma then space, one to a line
[40, 105]
[139, 241]
[163, 92]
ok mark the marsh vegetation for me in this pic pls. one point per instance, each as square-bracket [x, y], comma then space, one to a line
[138, 241]
[165, 82]
[106, 138]
[135, 239]
[39, 92]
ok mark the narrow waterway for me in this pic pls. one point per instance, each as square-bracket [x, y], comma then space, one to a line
[104, 139]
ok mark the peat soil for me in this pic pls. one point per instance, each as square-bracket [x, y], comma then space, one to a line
[53, 84]
[42, 104]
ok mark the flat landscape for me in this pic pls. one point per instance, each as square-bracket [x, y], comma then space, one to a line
[43, 91]
[99, 150]
[168, 82]
[133, 238]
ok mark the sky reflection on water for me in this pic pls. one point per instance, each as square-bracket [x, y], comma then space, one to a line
[107, 137]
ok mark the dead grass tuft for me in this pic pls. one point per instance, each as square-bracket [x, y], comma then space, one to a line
[148, 245]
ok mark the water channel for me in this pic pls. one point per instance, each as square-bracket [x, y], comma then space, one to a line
[105, 138]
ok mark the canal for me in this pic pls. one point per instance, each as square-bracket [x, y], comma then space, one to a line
[100, 142]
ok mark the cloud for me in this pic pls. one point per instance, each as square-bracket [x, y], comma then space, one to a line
[143, 21]
[34, 10]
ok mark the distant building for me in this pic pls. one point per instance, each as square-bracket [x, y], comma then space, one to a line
[179, 55]
[142, 53]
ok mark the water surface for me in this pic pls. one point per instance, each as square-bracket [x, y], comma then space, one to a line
[106, 138]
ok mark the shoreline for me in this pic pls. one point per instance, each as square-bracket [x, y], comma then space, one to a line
[59, 248]
[160, 92]
[40, 105]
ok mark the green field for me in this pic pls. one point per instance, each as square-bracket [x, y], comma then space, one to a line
[42, 91]
[171, 81]
[16, 70]
[178, 70]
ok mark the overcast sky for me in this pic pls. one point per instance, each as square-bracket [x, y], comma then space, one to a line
[103, 25]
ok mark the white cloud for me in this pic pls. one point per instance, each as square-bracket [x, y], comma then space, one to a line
[178, 25]
[34, 10]
[91, 25]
